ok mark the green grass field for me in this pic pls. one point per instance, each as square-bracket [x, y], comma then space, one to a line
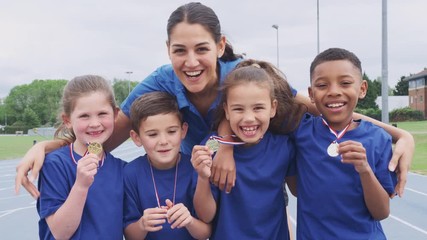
[419, 131]
[16, 146]
[12, 147]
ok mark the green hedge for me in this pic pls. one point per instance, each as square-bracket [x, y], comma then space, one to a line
[406, 114]
[397, 115]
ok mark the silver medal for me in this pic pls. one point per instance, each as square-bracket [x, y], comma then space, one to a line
[212, 144]
[333, 149]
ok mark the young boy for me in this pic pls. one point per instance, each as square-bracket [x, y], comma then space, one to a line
[159, 186]
[343, 181]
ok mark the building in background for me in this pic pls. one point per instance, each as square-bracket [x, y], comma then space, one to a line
[394, 102]
[417, 91]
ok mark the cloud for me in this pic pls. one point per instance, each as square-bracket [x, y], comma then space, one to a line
[50, 39]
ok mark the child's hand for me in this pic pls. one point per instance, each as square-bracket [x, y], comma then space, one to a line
[354, 153]
[178, 215]
[152, 219]
[87, 167]
[201, 158]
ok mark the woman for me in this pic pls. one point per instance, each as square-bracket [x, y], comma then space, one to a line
[200, 58]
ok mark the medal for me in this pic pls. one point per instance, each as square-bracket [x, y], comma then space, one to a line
[212, 144]
[214, 141]
[94, 147]
[333, 149]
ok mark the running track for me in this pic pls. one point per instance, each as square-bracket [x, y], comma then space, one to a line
[18, 215]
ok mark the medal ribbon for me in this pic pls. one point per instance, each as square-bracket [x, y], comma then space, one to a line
[223, 141]
[84, 154]
[340, 134]
[154, 181]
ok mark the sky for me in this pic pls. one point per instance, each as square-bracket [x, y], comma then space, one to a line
[51, 39]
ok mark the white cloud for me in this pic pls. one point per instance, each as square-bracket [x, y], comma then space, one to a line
[50, 39]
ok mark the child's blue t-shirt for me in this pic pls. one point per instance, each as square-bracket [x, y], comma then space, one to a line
[255, 208]
[103, 211]
[140, 193]
[330, 195]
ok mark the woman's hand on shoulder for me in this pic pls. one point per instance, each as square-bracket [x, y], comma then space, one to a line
[401, 160]
[224, 169]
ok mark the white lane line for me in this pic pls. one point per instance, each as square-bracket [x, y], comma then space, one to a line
[16, 196]
[7, 175]
[417, 174]
[415, 191]
[6, 188]
[408, 224]
[8, 212]
[7, 181]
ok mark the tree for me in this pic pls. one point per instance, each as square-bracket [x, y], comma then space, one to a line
[30, 118]
[371, 95]
[401, 88]
[121, 89]
[41, 96]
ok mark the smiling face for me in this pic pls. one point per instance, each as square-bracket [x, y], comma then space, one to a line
[249, 108]
[335, 88]
[193, 54]
[161, 137]
[92, 120]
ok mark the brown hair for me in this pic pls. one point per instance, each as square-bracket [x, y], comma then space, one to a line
[150, 104]
[197, 13]
[78, 87]
[288, 112]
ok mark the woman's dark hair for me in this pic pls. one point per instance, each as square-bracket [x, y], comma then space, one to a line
[197, 13]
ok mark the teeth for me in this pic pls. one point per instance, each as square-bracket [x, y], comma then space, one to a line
[193, 74]
[335, 105]
[249, 128]
[94, 133]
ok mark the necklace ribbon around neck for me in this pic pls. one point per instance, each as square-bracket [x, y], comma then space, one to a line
[154, 181]
[332, 149]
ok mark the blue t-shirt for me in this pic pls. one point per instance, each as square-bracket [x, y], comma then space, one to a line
[103, 212]
[140, 193]
[330, 195]
[255, 208]
[165, 79]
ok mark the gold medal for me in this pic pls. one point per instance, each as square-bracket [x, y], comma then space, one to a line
[94, 147]
[333, 149]
[213, 145]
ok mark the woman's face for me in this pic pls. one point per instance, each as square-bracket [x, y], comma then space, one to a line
[194, 53]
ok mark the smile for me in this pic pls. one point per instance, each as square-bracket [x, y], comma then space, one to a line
[335, 105]
[193, 73]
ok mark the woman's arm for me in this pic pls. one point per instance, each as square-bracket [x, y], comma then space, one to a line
[311, 107]
[33, 161]
[223, 167]
[122, 127]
